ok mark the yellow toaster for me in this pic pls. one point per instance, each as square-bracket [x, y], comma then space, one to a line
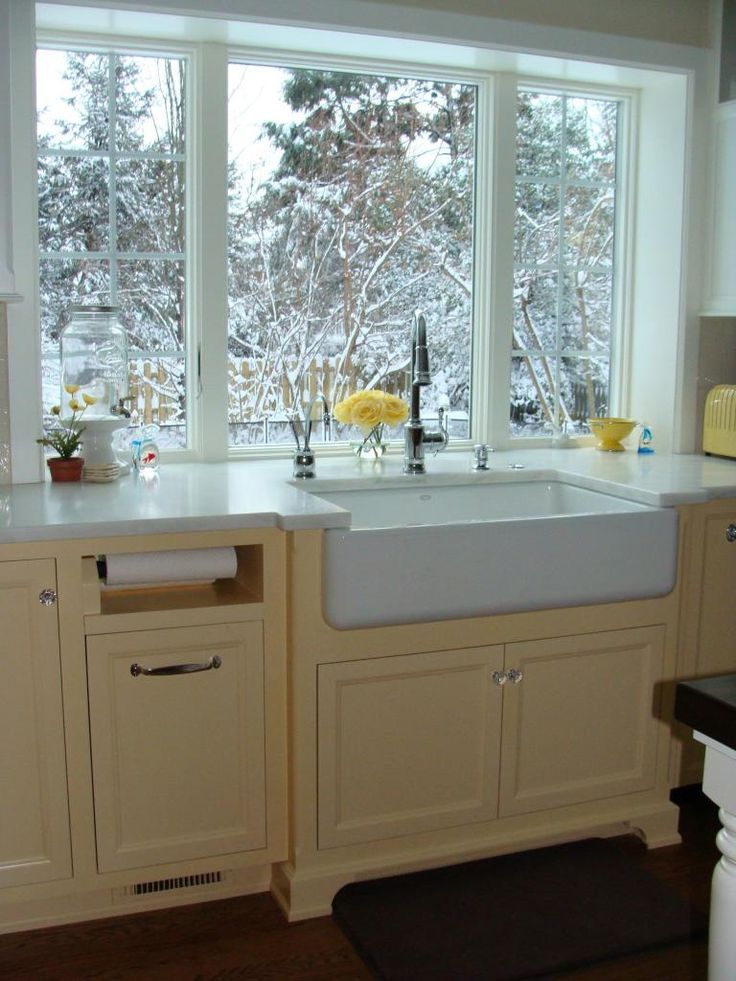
[719, 424]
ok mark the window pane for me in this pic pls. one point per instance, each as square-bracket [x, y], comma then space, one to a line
[64, 284]
[150, 206]
[532, 395]
[72, 100]
[83, 96]
[563, 311]
[150, 104]
[586, 320]
[591, 139]
[537, 229]
[157, 387]
[151, 299]
[73, 204]
[539, 133]
[351, 205]
[535, 310]
[589, 226]
[585, 390]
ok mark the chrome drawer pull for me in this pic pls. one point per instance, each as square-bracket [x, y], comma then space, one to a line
[214, 662]
[731, 533]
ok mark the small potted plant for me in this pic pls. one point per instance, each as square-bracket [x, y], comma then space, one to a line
[66, 438]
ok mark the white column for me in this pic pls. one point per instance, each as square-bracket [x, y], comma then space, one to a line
[719, 784]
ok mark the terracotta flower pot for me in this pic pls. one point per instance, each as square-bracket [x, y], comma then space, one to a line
[65, 468]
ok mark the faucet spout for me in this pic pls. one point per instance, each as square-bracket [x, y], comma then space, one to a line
[415, 435]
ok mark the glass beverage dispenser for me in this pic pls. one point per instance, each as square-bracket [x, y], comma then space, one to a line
[94, 357]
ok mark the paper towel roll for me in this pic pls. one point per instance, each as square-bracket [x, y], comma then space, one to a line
[180, 566]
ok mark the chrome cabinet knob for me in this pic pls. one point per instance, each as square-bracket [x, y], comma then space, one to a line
[47, 597]
[731, 533]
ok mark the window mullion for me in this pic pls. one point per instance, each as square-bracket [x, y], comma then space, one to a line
[112, 176]
[208, 367]
[498, 276]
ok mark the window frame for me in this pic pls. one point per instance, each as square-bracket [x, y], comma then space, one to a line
[489, 420]
[623, 250]
[148, 47]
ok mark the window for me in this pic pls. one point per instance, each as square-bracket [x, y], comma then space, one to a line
[564, 248]
[112, 216]
[351, 205]
[354, 196]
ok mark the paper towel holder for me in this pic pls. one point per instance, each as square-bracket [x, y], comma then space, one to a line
[244, 588]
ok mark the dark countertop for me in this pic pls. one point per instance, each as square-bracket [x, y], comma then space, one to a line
[709, 706]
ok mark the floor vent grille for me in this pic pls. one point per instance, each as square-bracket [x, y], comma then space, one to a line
[178, 882]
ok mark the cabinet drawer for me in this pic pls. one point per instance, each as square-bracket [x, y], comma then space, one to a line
[178, 758]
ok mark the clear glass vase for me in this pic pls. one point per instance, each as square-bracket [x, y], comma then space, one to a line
[371, 447]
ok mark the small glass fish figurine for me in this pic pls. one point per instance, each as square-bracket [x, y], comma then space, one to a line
[144, 450]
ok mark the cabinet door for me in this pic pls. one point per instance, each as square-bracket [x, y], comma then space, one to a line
[407, 744]
[34, 815]
[717, 627]
[178, 758]
[581, 725]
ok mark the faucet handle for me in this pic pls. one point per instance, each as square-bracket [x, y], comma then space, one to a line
[480, 456]
[441, 438]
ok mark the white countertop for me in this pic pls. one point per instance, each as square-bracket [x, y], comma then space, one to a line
[253, 494]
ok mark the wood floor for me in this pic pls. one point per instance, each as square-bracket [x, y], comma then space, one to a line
[247, 938]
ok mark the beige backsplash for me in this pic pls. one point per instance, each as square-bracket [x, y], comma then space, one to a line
[5, 475]
[716, 362]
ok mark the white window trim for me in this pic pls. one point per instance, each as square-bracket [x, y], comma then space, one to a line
[671, 92]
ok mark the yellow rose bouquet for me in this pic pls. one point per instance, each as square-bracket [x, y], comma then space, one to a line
[371, 411]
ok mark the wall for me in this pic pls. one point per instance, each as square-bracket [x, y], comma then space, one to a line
[716, 362]
[675, 21]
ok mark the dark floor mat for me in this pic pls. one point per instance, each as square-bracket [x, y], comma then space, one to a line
[531, 914]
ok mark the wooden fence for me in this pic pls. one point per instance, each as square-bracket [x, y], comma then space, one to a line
[154, 391]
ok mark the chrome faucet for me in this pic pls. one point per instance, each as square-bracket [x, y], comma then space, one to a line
[415, 435]
[304, 461]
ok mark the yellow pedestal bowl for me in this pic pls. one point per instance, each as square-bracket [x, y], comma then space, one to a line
[609, 432]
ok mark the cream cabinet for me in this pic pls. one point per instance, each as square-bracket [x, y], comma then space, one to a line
[419, 742]
[708, 621]
[177, 723]
[163, 780]
[407, 744]
[34, 817]
[581, 725]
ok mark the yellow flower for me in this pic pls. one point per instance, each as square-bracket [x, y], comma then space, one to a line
[367, 411]
[370, 409]
[395, 410]
[71, 389]
[88, 399]
[74, 405]
[56, 410]
[343, 411]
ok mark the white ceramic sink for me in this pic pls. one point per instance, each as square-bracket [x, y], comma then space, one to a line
[435, 552]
